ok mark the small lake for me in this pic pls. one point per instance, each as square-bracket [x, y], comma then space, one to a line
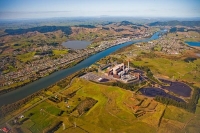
[153, 92]
[76, 44]
[178, 88]
[197, 44]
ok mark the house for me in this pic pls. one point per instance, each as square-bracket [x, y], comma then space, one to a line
[5, 130]
[21, 116]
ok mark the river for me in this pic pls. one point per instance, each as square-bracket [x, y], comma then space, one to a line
[44, 82]
[196, 44]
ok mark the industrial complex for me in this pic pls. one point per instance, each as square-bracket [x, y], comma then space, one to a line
[123, 73]
[114, 71]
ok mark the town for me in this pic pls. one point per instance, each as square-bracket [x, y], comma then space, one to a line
[41, 67]
[21, 63]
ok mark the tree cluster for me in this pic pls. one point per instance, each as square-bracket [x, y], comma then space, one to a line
[42, 29]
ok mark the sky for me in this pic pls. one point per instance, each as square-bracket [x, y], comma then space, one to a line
[16, 9]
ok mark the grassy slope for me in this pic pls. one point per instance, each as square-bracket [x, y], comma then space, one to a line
[154, 118]
[109, 113]
[104, 114]
[179, 69]
[59, 52]
[26, 57]
[41, 119]
[194, 125]
[174, 113]
[180, 121]
[37, 38]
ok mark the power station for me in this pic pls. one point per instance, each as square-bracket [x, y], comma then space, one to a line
[122, 72]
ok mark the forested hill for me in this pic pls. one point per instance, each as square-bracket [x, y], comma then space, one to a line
[175, 23]
[125, 23]
[41, 29]
[85, 26]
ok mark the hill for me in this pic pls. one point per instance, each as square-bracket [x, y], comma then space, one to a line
[41, 29]
[113, 112]
[175, 23]
[125, 23]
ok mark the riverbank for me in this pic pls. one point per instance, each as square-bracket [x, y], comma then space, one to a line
[70, 64]
[22, 104]
[42, 83]
[42, 67]
[194, 44]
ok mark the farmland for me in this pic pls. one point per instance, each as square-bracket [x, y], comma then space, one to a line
[109, 113]
[26, 57]
[116, 110]
[59, 52]
[179, 70]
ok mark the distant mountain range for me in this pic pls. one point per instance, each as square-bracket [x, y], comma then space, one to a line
[175, 23]
[41, 29]
[44, 29]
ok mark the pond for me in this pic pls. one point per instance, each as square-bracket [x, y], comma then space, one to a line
[178, 88]
[76, 44]
[153, 92]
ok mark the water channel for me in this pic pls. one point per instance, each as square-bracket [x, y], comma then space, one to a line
[44, 82]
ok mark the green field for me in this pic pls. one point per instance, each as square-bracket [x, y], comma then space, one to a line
[59, 52]
[26, 57]
[179, 69]
[110, 113]
[198, 108]
[180, 115]
[42, 117]
[180, 120]
[194, 125]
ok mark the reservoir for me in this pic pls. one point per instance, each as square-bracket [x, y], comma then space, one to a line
[196, 44]
[44, 82]
[76, 44]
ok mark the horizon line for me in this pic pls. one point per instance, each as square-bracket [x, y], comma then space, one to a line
[106, 16]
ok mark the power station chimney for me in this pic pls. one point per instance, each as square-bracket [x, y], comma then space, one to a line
[123, 68]
[128, 65]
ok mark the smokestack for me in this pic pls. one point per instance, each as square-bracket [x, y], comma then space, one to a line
[128, 65]
[123, 69]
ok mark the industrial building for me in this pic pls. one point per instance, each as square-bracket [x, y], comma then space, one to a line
[122, 72]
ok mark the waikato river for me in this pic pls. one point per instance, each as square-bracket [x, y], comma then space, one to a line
[44, 82]
[196, 44]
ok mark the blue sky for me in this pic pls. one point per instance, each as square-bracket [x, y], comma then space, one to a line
[11, 9]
